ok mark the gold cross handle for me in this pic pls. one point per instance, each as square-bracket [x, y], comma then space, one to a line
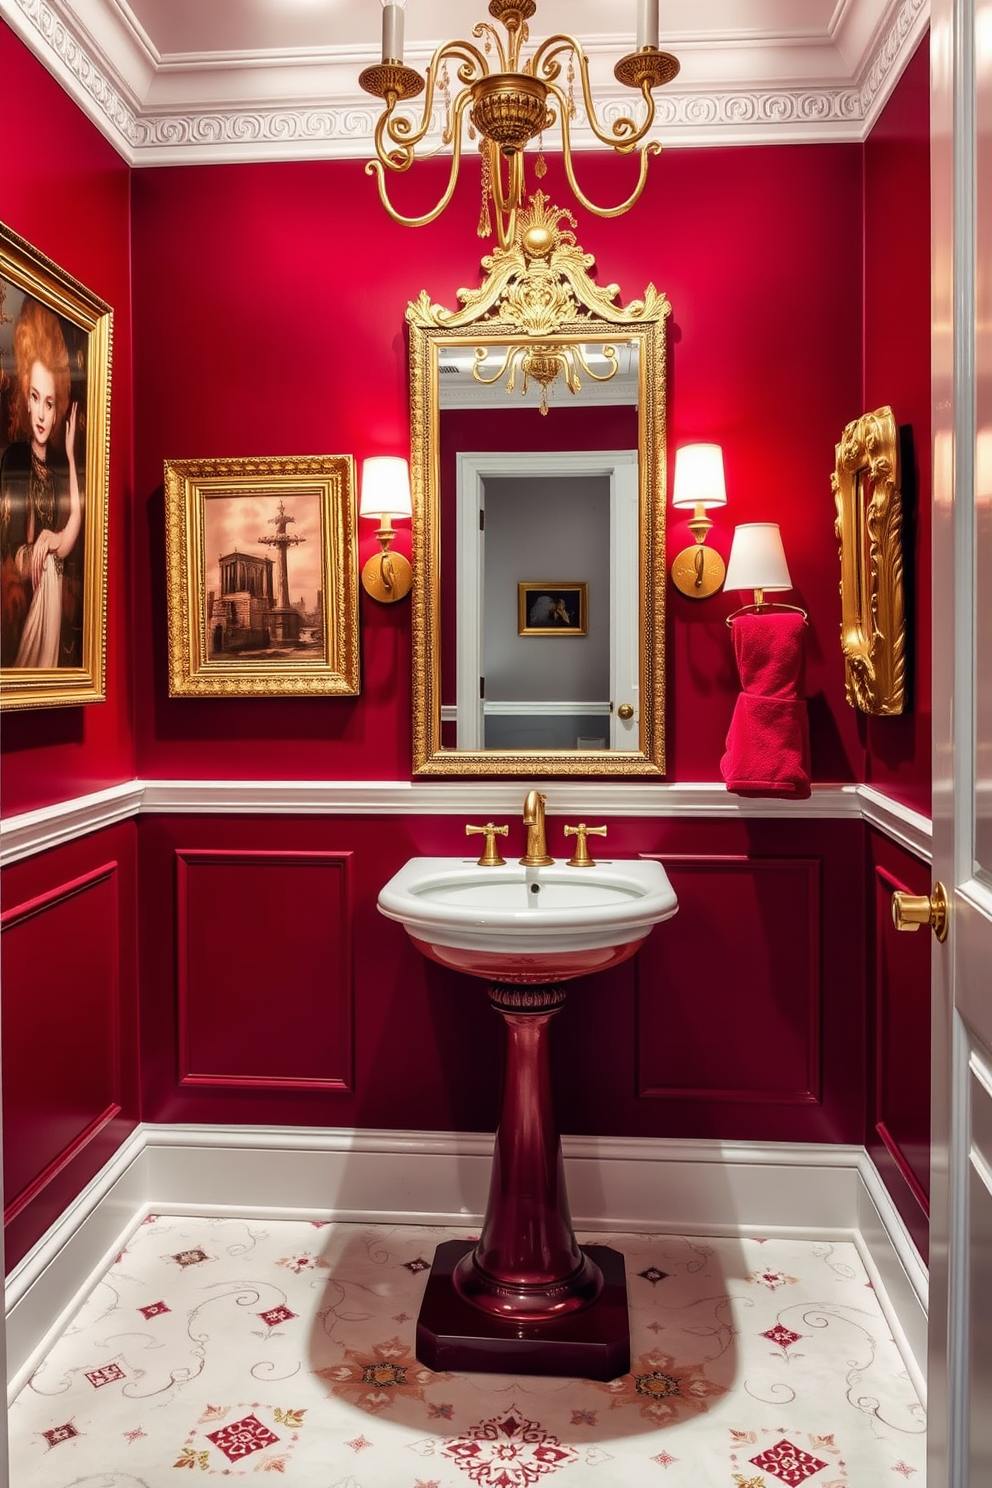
[580, 858]
[490, 857]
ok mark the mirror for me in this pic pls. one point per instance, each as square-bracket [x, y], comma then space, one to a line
[538, 477]
[868, 527]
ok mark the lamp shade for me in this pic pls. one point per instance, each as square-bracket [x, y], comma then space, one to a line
[757, 558]
[699, 476]
[385, 487]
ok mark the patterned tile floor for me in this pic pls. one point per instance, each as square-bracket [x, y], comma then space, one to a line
[233, 1348]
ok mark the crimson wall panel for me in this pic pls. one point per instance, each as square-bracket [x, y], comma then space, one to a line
[898, 1134]
[70, 1066]
[265, 970]
[729, 941]
[631, 1054]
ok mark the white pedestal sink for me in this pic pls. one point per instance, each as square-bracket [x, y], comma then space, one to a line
[527, 1299]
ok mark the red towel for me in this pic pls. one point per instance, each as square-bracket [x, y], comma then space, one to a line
[768, 742]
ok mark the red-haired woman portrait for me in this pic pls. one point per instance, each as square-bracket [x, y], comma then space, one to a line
[41, 509]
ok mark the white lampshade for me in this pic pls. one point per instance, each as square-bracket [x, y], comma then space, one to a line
[385, 487]
[757, 558]
[699, 476]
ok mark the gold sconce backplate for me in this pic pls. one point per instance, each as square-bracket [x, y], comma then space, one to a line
[869, 531]
[698, 572]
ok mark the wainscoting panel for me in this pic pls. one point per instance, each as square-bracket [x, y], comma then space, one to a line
[746, 945]
[265, 979]
[898, 1134]
[69, 1063]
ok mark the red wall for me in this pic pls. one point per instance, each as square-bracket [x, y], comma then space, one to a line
[897, 372]
[67, 191]
[269, 319]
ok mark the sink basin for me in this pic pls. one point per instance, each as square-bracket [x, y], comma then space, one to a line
[531, 925]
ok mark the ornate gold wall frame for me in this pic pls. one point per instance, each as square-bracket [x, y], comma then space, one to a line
[538, 292]
[247, 619]
[869, 530]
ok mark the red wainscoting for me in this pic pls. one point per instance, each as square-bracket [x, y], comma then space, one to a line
[246, 983]
[66, 190]
[269, 935]
[767, 1049]
[898, 1134]
[70, 1068]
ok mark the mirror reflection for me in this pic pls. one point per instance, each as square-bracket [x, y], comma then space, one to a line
[539, 522]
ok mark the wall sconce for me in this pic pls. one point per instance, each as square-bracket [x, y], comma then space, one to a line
[386, 494]
[698, 572]
[757, 562]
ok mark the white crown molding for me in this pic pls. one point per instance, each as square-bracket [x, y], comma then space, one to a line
[749, 88]
[32, 832]
[438, 1178]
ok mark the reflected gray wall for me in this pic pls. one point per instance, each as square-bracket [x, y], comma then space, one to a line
[554, 528]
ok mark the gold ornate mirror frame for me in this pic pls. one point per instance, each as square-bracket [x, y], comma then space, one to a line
[869, 530]
[537, 294]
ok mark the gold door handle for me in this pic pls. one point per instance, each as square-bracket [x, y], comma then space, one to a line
[625, 711]
[910, 911]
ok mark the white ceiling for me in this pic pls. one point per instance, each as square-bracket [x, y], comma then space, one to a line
[172, 81]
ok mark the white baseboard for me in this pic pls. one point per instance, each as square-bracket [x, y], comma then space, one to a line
[701, 1188]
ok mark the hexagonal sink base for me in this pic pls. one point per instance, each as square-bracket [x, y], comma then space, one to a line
[593, 1343]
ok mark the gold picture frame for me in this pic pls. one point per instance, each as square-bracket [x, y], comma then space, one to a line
[868, 527]
[558, 607]
[56, 340]
[245, 620]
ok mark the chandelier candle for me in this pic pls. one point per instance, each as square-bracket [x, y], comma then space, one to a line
[392, 29]
[647, 24]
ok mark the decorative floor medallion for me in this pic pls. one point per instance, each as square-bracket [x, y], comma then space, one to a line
[509, 1451]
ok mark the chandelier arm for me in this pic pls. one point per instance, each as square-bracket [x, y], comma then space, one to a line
[624, 133]
[402, 135]
[377, 168]
[485, 28]
[488, 381]
[653, 147]
[507, 202]
[611, 355]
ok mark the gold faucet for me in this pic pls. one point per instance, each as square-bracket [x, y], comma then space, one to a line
[536, 855]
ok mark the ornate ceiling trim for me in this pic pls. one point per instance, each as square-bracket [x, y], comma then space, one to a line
[286, 108]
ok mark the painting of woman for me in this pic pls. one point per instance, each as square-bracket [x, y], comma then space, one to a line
[40, 499]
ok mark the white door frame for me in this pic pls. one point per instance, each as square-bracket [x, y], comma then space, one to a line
[959, 1369]
[472, 470]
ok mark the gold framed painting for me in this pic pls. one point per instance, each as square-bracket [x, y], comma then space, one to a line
[553, 608]
[868, 527]
[56, 342]
[262, 577]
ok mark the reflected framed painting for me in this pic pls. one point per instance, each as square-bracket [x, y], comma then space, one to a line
[262, 577]
[556, 607]
[56, 342]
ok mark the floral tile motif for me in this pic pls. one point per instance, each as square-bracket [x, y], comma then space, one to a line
[248, 1431]
[240, 1438]
[305, 1261]
[509, 1451]
[105, 1376]
[653, 1274]
[663, 1391]
[59, 1434]
[375, 1378]
[772, 1279]
[276, 1315]
[784, 1337]
[194, 1257]
[789, 1463]
[153, 1310]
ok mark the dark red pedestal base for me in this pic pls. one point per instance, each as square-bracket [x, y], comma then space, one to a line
[591, 1344]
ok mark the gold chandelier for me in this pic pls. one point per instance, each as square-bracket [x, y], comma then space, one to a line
[508, 105]
[544, 363]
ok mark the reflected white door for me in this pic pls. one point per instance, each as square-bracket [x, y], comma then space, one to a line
[960, 1363]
